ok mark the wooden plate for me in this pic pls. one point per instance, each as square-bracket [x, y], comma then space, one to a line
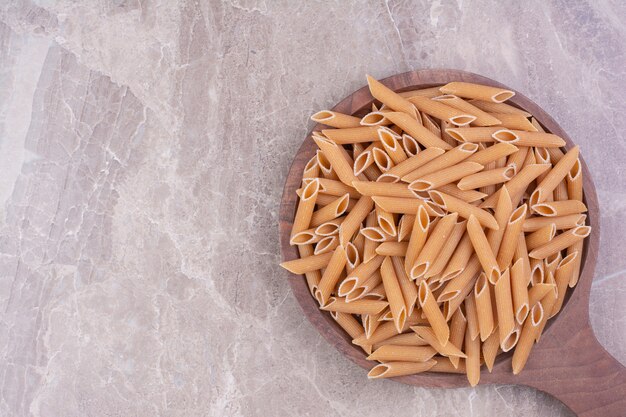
[568, 363]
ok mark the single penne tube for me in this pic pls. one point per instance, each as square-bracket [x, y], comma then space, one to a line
[482, 118]
[371, 322]
[375, 118]
[532, 224]
[575, 182]
[392, 248]
[448, 159]
[490, 177]
[445, 176]
[459, 259]
[472, 363]
[514, 121]
[450, 306]
[405, 227]
[382, 160]
[416, 130]
[312, 277]
[442, 111]
[349, 135]
[335, 188]
[307, 264]
[559, 208]
[433, 314]
[519, 291]
[351, 326]
[359, 276]
[472, 315]
[477, 91]
[474, 134]
[492, 153]
[547, 303]
[469, 196]
[536, 271]
[383, 332]
[576, 247]
[323, 162]
[562, 277]
[527, 338]
[523, 138]
[458, 324]
[431, 125]
[454, 288]
[369, 246]
[516, 159]
[338, 158]
[350, 226]
[363, 161]
[540, 237]
[428, 335]
[306, 205]
[483, 249]
[305, 237]
[406, 205]
[331, 275]
[502, 213]
[510, 238]
[387, 353]
[448, 248]
[355, 307]
[491, 107]
[445, 365]
[518, 184]
[465, 210]
[561, 242]
[408, 288]
[325, 199]
[423, 92]
[404, 339]
[482, 296]
[554, 176]
[335, 119]
[504, 307]
[330, 211]
[391, 144]
[490, 348]
[329, 228]
[390, 98]
[418, 238]
[372, 188]
[353, 257]
[393, 369]
[521, 252]
[411, 164]
[560, 192]
[397, 305]
[410, 145]
[433, 245]
[311, 169]
[326, 244]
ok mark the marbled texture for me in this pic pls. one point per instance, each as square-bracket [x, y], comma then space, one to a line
[143, 149]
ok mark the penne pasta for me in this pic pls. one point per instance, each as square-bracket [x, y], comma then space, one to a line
[351, 326]
[387, 353]
[335, 119]
[575, 182]
[423, 157]
[576, 247]
[510, 238]
[491, 107]
[447, 249]
[562, 277]
[561, 242]
[433, 314]
[483, 249]
[312, 277]
[472, 316]
[418, 238]
[338, 158]
[482, 118]
[459, 259]
[465, 210]
[326, 244]
[477, 91]
[408, 288]
[490, 177]
[428, 335]
[410, 145]
[431, 125]
[532, 224]
[493, 153]
[556, 175]
[382, 160]
[527, 338]
[516, 159]
[350, 226]
[442, 111]
[445, 365]
[393, 369]
[502, 213]
[457, 333]
[541, 236]
[445, 176]
[433, 246]
[394, 294]
[474, 134]
[304, 212]
[392, 248]
[472, 363]
[448, 159]
[329, 228]
[307, 264]
[523, 138]
[371, 188]
[490, 349]
[514, 121]
[416, 130]
[455, 287]
[424, 92]
[359, 276]
[407, 205]
[391, 144]
[355, 307]
[405, 227]
[404, 339]
[390, 98]
[560, 208]
[484, 313]
[330, 211]
[504, 308]
[375, 118]
[331, 275]
[519, 291]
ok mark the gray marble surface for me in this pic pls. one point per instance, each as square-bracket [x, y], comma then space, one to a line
[143, 149]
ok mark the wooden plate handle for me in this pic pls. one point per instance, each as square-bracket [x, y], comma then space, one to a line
[584, 376]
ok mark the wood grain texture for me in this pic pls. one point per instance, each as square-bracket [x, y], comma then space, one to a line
[568, 363]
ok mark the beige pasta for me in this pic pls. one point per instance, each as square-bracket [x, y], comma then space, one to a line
[516, 159]
[433, 246]
[404, 339]
[393, 369]
[472, 315]
[502, 213]
[519, 291]
[575, 182]
[433, 314]
[424, 92]
[459, 259]
[540, 237]
[482, 296]
[562, 277]
[351, 135]
[472, 363]
[510, 238]
[382, 160]
[518, 184]
[307, 264]
[360, 275]
[312, 277]
[391, 144]
[405, 227]
[411, 164]
[474, 134]
[330, 228]
[339, 159]
[576, 247]
[351, 326]
[490, 349]
[389, 353]
[483, 249]
[556, 175]
[330, 211]
[465, 210]
[431, 125]
[455, 287]
[375, 118]
[326, 244]
[490, 177]
[371, 188]
[335, 119]
[392, 248]
[448, 248]
[331, 275]
[410, 145]
[493, 153]
[514, 121]
[504, 307]
[527, 338]
[492, 107]
[532, 224]
[394, 294]
[458, 324]
[477, 91]
[482, 118]
[350, 226]
[407, 205]
[442, 111]
[355, 307]
[445, 176]
[561, 242]
[418, 132]
[560, 208]
[429, 336]
[448, 159]
[390, 98]
[523, 138]
[305, 208]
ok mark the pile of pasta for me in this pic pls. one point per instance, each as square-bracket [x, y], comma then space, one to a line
[441, 229]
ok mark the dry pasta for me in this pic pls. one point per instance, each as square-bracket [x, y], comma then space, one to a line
[439, 230]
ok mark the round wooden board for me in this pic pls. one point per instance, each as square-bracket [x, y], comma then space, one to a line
[568, 362]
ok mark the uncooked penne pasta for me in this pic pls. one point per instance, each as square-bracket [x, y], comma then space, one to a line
[483, 249]
[416, 130]
[407, 205]
[465, 210]
[490, 349]
[330, 211]
[302, 219]
[355, 307]
[516, 159]
[445, 176]
[339, 159]
[491, 107]
[561, 242]
[419, 234]
[335, 119]
[458, 324]
[490, 177]
[353, 220]
[514, 121]
[404, 339]
[411, 164]
[430, 124]
[375, 118]
[408, 288]
[532, 224]
[477, 91]
[556, 175]
[504, 307]
[312, 277]
[562, 276]
[429, 336]
[469, 196]
[424, 92]
[474, 134]
[391, 144]
[392, 248]
[351, 326]
[482, 118]
[576, 247]
[405, 227]
[519, 291]
[382, 159]
[482, 296]
[455, 287]
[559, 208]
[390, 98]
[372, 188]
[511, 237]
[541, 236]
[518, 184]
[502, 213]
[527, 338]
[459, 259]
[410, 145]
[448, 159]
[575, 182]
[448, 248]
[523, 138]
[393, 369]
[493, 153]
[326, 244]
[388, 353]
[394, 294]
[442, 111]
[360, 275]
[472, 363]
[433, 246]
[433, 314]
[307, 264]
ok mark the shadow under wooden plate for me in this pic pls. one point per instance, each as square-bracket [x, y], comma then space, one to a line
[567, 363]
